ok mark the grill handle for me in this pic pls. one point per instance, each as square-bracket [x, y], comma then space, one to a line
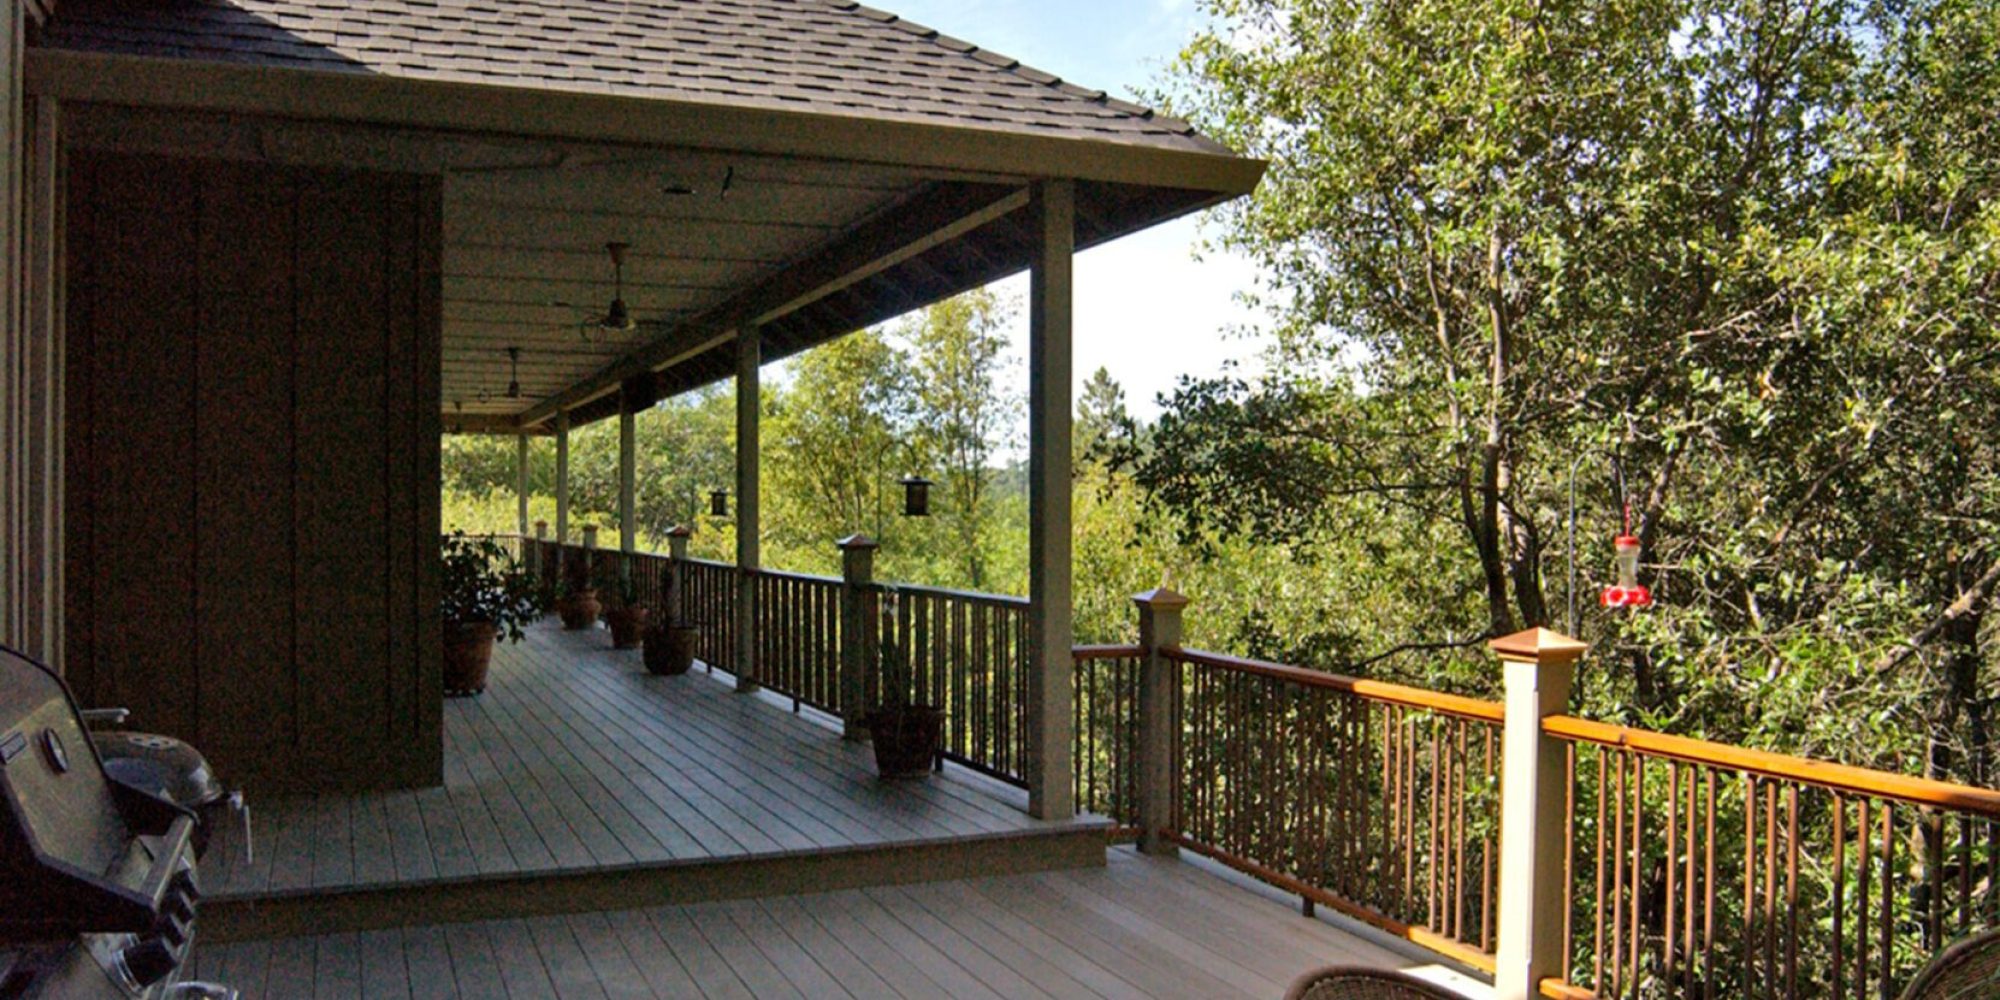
[167, 861]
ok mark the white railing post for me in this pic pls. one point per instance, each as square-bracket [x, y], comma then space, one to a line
[1538, 666]
[535, 562]
[857, 631]
[1159, 729]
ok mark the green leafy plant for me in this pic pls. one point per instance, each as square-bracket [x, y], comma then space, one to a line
[482, 583]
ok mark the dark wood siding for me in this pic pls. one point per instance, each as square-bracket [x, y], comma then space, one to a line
[253, 467]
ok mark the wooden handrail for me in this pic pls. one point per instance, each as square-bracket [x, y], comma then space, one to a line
[1101, 652]
[1396, 694]
[973, 596]
[1836, 777]
[785, 574]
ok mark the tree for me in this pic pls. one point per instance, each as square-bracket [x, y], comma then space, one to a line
[964, 410]
[1101, 418]
[1729, 261]
[836, 443]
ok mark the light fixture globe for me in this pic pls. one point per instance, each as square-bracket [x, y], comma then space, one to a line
[618, 317]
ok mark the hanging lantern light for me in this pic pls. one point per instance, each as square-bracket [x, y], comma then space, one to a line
[1627, 592]
[916, 496]
[513, 373]
[718, 502]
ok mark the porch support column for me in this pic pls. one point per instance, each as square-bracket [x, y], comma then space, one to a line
[562, 478]
[521, 483]
[1159, 630]
[749, 356]
[1537, 665]
[628, 468]
[1051, 792]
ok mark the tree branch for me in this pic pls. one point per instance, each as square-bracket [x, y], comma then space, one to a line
[1967, 602]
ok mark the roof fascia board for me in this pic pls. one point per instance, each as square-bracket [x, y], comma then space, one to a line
[455, 106]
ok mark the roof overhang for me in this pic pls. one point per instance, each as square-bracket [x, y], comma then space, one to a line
[952, 221]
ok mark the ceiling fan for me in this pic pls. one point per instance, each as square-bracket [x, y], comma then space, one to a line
[617, 315]
[513, 379]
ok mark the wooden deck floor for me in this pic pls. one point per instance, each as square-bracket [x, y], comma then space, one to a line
[1139, 927]
[576, 759]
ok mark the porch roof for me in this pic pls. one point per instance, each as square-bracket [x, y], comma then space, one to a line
[807, 166]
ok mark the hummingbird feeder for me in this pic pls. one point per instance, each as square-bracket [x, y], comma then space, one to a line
[1627, 592]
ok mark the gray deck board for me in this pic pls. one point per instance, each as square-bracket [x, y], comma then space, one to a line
[576, 759]
[1141, 927]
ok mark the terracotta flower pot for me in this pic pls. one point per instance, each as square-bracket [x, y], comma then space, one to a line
[670, 649]
[579, 610]
[627, 623]
[468, 651]
[906, 739]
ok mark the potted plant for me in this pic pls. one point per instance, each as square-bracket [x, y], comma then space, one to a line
[669, 648]
[628, 618]
[576, 601]
[906, 735]
[670, 642]
[485, 596]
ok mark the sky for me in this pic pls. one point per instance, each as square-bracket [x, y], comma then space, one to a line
[1144, 307]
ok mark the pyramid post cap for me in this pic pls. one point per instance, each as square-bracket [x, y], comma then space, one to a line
[1538, 644]
[1161, 597]
[857, 541]
[679, 531]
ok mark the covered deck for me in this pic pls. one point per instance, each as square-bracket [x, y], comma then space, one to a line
[579, 780]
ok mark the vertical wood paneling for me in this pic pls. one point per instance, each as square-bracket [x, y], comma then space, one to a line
[244, 454]
[80, 666]
[425, 762]
[253, 463]
[143, 444]
[341, 501]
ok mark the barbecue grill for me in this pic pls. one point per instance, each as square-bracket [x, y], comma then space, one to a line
[98, 883]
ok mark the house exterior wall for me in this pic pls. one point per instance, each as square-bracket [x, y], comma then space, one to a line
[252, 476]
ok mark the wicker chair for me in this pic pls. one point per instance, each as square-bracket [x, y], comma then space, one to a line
[1968, 970]
[1353, 983]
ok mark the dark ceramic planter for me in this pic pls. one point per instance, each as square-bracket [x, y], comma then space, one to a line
[468, 652]
[906, 739]
[670, 649]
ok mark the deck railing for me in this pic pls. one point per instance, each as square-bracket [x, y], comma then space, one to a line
[968, 654]
[1107, 723]
[798, 633]
[1698, 869]
[1379, 800]
[1687, 868]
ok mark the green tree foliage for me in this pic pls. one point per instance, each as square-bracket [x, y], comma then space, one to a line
[836, 443]
[1732, 262]
[965, 411]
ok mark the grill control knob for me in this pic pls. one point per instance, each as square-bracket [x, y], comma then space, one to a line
[148, 961]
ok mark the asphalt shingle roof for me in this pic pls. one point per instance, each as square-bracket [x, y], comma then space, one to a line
[822, 56]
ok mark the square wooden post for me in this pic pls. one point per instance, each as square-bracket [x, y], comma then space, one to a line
[673, 607]
[521, 483]
[858, 641]
[749, 356]
[1051, 675]
[1538, 665]
[1159, 729]
[562, 478]
[628, 474]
